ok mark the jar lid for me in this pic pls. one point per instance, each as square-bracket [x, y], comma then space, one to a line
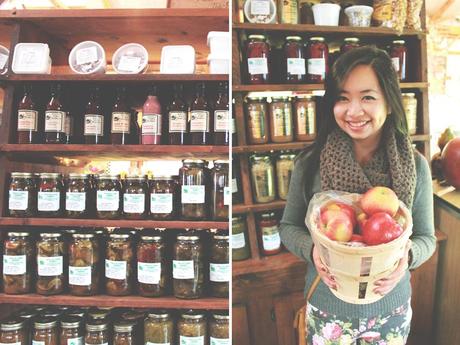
[278, 98]
[260, 158]
[256, 98]
[256, 36]
[161, 314]
[221, 236]
[319, 39]
[151, 238]
[164, 177]
[351, 39]
[50, 175]
[96, 326]
[267, 215]
[119, 236]
[26, 314]
[237, 219]
[45, 323]
[221, 316]
[307, 96]
[193, 161]
[185, 237]
[293, 38]
[287, 155]
[399, 42]
[408, 94]
[50, 234]
[82, 235]
[220, 161]
[78, 176]
[136, 177]
[108, 177]
[70, 322]
[12, 324]
[123, 326]
[18, 234]
[193, 316]
[21, 174]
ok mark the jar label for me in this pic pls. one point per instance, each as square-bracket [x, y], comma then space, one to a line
[306, 119]
[86, 55]
[75, 201]
[233, 126]
[19, 343]
[271, 238]
[221, 121]
[49, 201]
[80, 276]
[317, 66]
[49, 266]
[55, 121]
[260, 7]
[219, 272]
[3, 60]
[234, 185]
[35, 342]
[264, 182]
[121, 122]
[193, 194]
[161, 202]
[199, 121]
[27, 120]
[94, 125]
[68, 125]
[177, 121]
[238, 241]
[257, 65]
[108, 200]
[18, 200]
[219, 341]
[115, 269]
[129, 63]
[14, 264]
[227, 196]
[149, 272]
[282, 122]
[296, 66]
[134, 203]
[75, 341]
[151, 124]
[395, 61]
[191, 340]
[257, 123]
[183, 269]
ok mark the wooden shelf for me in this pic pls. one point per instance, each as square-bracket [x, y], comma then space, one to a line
[266, 263]
[157, 77]
[242, 208]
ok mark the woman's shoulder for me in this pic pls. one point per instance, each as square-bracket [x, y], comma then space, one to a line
[421, 164]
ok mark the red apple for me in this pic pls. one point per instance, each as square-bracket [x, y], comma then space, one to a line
[450, 159]
[338, 228]
[381, 228]
[361, 219]
[357, 238]
[330, 209]
[379, 199]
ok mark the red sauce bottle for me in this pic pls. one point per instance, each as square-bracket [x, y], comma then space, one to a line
[258, 60]
[221, 121]
[317, 54]
[152, 119]
[177, 118]
[269, 235]
[294, 60]
[55, 118]
[200, 118]
[398, 56]
[94, 122]
[27, 119]
[122, 123]
[349, 43]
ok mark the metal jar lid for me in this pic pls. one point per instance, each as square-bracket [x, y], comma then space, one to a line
[18, 234]
[220, 161]
[257, 37]
[108, 177]
[123, 327]
[162, 178]
[293, 38]
[96, 327]
[119, 236]
[193, 161]
[12, 324]
[267, 215]
[192, 316]
[317, 39]
[221, 236]
[71, 322]
[136, 178]
[50, 175]
[399, 42]
[156, 238]
[50, 234]
[188, 236]
[83, 235]
[161, 314]
[78, 176]
[221, 316]
[22, 175]
[351, 40]
[45, 323]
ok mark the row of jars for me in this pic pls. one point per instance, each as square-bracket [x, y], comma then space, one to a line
[118, 265]
[197, 194]
[308, 62]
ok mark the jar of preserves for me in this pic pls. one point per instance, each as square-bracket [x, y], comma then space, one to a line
[27, 316]
[45, 332]
[220, 191]
[262, 178]
[258, 59]
[159, 328]
[119, 265]
[237, 197]
[97, 333]
[269, 234]
[410, 108]
[284, 167]
[219, 331]
[134, 197]
[164, 198]
[50, 264]
[12, 331]
[77, 196]
[281, 120]
[188, 266]
[17, 263]
[108, 197]
[257, 112]
[219, 265]
[123, 333]
[71, 331]
[84, 264]
[294, 60]
[50, 191]
[22, 197]
[398, 54]
[317, 60]
[240, 244]
[192, 328]
[304, 118]
[194, 194]
[349, 43]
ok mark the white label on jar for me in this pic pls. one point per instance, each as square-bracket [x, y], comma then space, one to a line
[35, 342]
[395, 61]
[151, 124]
[134, 203]
[14, 264]
[260, 7]
[218, 341]
[121, 122]
[75, 201]
[80, 276]
[108, 200]
[94, 125]
[296, 66]
[55, 121]
[129, 63]
[234, 185]
[191, 340]
[317, 66]
[199, 121]
[86, 55]
[271, 240]
[3, 60]
[18, 200]
[193, 194]
[149, 273]
[219, 272]
[227, 196]
[177, 121]
[75, 341]
[183, 269]
[49, 266]
[115, 269]
[27, 120]
[238, 241]
[257, 66]
[49, 201]
[68, 125]
[221, 121]
[233, 126]
[11, 343]
[161, 203]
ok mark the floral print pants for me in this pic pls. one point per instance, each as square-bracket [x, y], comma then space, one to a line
[328, 329]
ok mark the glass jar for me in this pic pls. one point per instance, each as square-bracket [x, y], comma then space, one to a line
[134, 197]
[98, 314]
[123, 333]
[269, 235]
[237, 197]
[288, 12]
[281, 120]
[304, 118]
[22, 198]
[71, 331]
[119, 265]
[194, 183]
[45, 332]
[27, 316]
[50, 264]
[219, 331]
[284, 167]
[349, 43]
[97, 333]
[84, 264]
[108, 197]
[12, 331]
[159, 328]
[306, 12]
[77, 196]
[17, 263]
[410, 108]
[294, 60]
[258, 59]
[240, 244]
[317, 55]
[188, 266]
[192, 328]
[262, 178]
[50, 191]
[220, 191]
[398, 54]
[257, 112]
[219, 265]
[164, 198]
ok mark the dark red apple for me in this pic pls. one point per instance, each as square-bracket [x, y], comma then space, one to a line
[450, 159]
[381, 228]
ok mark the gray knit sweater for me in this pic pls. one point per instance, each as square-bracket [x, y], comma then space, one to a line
[296, 237]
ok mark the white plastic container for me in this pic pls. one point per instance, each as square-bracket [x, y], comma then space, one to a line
[260, 11]
[218, 64]
[31, 58]
[177, 59]
[219, 43]
[131, 58]
[4, 57]
[87, 57]
[359, 15]
[326, 14]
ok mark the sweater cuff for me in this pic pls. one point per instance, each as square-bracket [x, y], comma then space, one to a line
[414, 255]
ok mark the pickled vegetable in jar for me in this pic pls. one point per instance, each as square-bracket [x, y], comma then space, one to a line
[77, 196]
[159, 328]
[284, 168]
[240, 244]
[219, 265]
[349, 43]
[123, 333]
[50, 264]
[269, 234]
[192, 328]
[398, 54]
[119, 265]
[17, 263]
[281, 120]
[164, 197]
[410, 107]
[84, 264]
[262, 178]
[304, 118]
[317, 54]
[97, 333]
[294, 60]
[220, 191]
[45, 332]
[257, 112]
[71, 331]
[219, 329]
[22, 197]
[12, 331]
[134, 197]
[258, 59]
[108, 197]
[50, 195]
[194, 194]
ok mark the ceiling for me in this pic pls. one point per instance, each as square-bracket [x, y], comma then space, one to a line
[442, 11]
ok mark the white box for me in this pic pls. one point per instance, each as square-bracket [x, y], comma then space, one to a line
[31, 58]
[219, 43]
[87, 57]
[218, 65]
[177, 59]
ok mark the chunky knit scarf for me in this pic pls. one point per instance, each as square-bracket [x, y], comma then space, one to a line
[393, 166]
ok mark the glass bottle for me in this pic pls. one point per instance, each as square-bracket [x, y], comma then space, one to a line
[152, 118]
[71, 331]
[200, 119]
[122, 121]
[233, 125]
[55, 117]
[262, 178]
[84, 264]
[237, 196]
[97, 333]
[257, 113]
[220, 191]
[164, 197]
[119, 265]
[219, 266]
[95, 123]
[28, 119]
[22, 196]
[221, 120]
[192, 328]
[123, 333]
[17, 263]
[69, 124]
[317, 54]
[219, 329]
[288, 12]
[258, 59]
[398, 54]
[269, 235]
[108, 197]
[284, 167]
[240, 244]
[294, 60]
[177, 118]
[50, 264]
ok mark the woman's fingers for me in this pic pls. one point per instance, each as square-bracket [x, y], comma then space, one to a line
[323, 272]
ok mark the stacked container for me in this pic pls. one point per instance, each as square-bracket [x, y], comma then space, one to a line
[31, 58]
[219, 58]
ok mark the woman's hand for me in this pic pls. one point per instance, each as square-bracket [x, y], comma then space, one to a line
[385, 285]
[323, 272]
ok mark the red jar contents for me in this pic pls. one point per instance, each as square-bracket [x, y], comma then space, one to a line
[27, 120]
[55, 118]
[200, 119]
[269, 234]
[177, 118]
[294, 60]
[151, 119]
[349, 43]
[398, 56]
[317, 54]
[94, 122]
[258, 60]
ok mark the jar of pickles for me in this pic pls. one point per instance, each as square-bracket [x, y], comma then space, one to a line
[219, 265]
[258, 59]
[108, 197]
[294, 60]
[119, 265]
[17, 263]
[84, 264]
[134, 200]
[281, 120]
[410, 107]
[269, 234]
[257, 112]
[77, 196]
[50, 264]
[398, 54]
[45, 332]
[123, 333]
[164, 197]
[12, 331]
[159, 328]
[192, 328]
[262, 178]
[97, 333]
[240, 244]
[219, 329]
[304, 118]
[71, 331]
[284, 167]
[220, 191]
[317, 54]
[22, 198]
[194, 183]
[50, 192]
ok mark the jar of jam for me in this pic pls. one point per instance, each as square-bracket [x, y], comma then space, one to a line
[192, 327]
[188, 266]
[119, 265]
[258, 59]
[304, 118]
[398, 54]
[284, 167]
[281, 120]
[84, 264]
[45, 332]
[71, 331]
[77, 196]
[134, 197]
[220, 192]
[108, 197]
[219, 328]
[17, 263]
[50, 195]
[123, 333]
[294, 60]
[317, 54]
[410, 107]
[22, 197]
[262, 178]
[97, 333]
[159, 328]
[240, 244]
[219, 265]
[349, 43]
[257, 112]
[269, 235]
[50, 264]
[164, 197]
[12, 331]
[237, 197]
[194, 195]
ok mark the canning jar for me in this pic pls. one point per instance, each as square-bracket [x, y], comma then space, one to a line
[304, 118]
[123, 333]
[98, 314]
[220, 191]
[188, 266]
[284, 167]
[281, 120]
[50, 264]
[12, 331]
[159, 328]
[50, 192]
[219, 331]
[77, 196]
[84, 264]
[219, 265]
[134, 197]
[71, 331]
[237, 197]
[108, 197]
[45, 332]
[262, 178]
[269, 234]
[17, 263]
[164, 197]
[294, 60]
[240, 245]
[349, 43]
[22, 199]
[257, 112]
[317, 60]
[97, 333]
[27, 315]
[192, 328]
[119, 265]
[288, 12]
[398, 54]
[410, 108]
[194, 196]
[258, 59]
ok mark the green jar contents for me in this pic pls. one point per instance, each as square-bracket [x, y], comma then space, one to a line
[262, 178]
[219, 266]
[284, 168]
[50, 264]
[134, 197]
[220, 191]
[192, 329]
[12, 331]
[164, 197]
[108, 197]
[22, 198]
[194, 194]
[159, 329]
[50, 195]
[240, 246]
[219, 333]
[77, 196]
[17, 263]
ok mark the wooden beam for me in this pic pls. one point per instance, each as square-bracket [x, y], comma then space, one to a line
[440, 12]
